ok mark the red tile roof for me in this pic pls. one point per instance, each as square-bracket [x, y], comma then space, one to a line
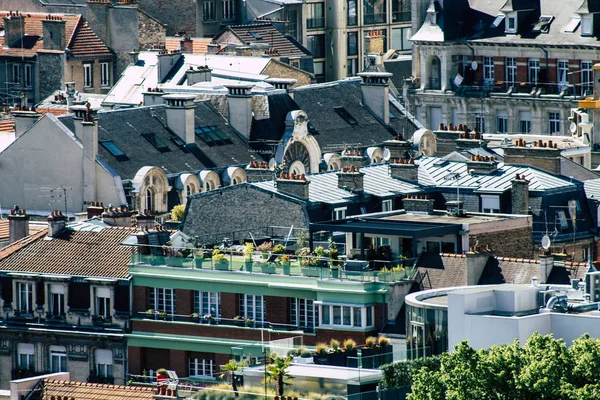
[80, 39]
[199, 45]
[4, 232]
[7, 125]
[90, 253]
[55, 389]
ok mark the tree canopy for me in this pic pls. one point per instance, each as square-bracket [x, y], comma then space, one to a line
[542, 369]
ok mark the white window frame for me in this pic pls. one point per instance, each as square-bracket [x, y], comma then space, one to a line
[29, 290]
[102, 302]
[524, 123]
[387, 205]
[88, 75]
[228, 10]
[162, 300]
[587, 76]
[554, 123]
[339, 213]
[480, 123]
[587, 26]
[57, 290]
[201, 368]
[327, 313]
[209, 11]
[511, 71]
[207, 303]
[501, 121]
[488, 70]
[490, 203]
[511, 19]
[58, 353]
[533, 71]
[248, 307]
[27, 75]
[562, 74]
[304, 313]
[26, 353]
[103, 360]
[104, 74]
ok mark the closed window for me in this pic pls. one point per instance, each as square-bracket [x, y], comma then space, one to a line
[208, 9]
[88, 77]
[26, 353]
[554, 123]
[201, 367]
[57, 300]
[524, 121]
[346, 316]
[58, 359]
[104, 363]
[490, 204]
[104, 74]
[386, 205]
[502, 121]
[316, 45]
[511, 71]
[102, 302]
[16, 74]
[304, 313]
[27, 75]
[252, 307]
[161, 300]
[534, 71]
[228, 9]
[352, 13]
[352, 66]
[401, 38]
[207, 303]
[315, 18]
[488, 70]
[511, 23]
[25, 297]
[480, 123]
[339, 213]
[587, 27]
[587, 78]
[352, 43]
[562, 74]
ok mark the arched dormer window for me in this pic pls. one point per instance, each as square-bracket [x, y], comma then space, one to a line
[150, 199]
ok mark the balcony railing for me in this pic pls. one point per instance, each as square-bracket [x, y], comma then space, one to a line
[370, 19]
[315, 23]
[288, 265]
[534, 89]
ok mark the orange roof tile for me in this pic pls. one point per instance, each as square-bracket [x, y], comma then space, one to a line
[199, 45]
[94, 253]
[4, 232]
[7, 125]
[93, 391]
[86, 44]
[52, 110]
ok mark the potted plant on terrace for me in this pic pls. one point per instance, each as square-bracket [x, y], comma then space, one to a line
[321, 354]
[265, 248]
[350, 350]
[337, 356]
[220, 261]
[248, 250]
[208, 318]
[385, 349]
[309, 263]
[194, 317]
[199, 257]
[286, 264]
[249, 322]
[369, 352]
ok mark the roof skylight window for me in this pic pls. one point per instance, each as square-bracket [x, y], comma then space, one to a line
[543, 24]
[212, 135]
[114, 150]
[255, 35]
[342, 112]
[156, 141]
[498, 21]
[573, 24]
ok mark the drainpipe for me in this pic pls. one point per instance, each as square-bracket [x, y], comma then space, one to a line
[546, 55]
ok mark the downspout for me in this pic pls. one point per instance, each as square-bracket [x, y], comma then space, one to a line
[546, 55]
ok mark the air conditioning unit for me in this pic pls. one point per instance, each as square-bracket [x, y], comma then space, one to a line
[592, 285]
[580, 123]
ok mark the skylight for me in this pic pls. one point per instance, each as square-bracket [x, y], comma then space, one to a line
[255, 35]
[543, 24]
[212, 135]
[573, 24]
[498, 21]
[156, 141]
[179, 142]
[114, 150]
[342, 112]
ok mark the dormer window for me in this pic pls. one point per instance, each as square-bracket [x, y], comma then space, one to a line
[587, 27]
[511, 23]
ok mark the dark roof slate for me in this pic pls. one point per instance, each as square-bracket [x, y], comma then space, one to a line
[442, 270]
[285, 45]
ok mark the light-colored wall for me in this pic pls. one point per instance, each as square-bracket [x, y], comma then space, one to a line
[45, 157]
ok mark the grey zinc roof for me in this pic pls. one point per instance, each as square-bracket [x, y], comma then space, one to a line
[323, 187]
[592, 189]
[435, 172]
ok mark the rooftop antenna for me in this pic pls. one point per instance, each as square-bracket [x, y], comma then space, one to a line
[58, 195]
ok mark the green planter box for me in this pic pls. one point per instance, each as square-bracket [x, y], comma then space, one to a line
[267, 268]
[314, 272]
[174, 261]
[222, 265]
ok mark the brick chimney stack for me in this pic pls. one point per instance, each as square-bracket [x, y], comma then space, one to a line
[18, 224]
[14, 28]
[56, 223]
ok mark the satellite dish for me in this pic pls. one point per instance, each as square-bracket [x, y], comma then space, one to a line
[474, 65]
[573, 127]
[272, 163]
[546, 242]
[386, 154]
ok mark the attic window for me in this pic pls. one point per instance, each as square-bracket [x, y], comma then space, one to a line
[156, 141]
[212, 136]
[179, 142]
[498, 21]
[587, 28]
[543, 24]
[573, 24]
[114, 150]
[255, 35]
[342, 112]
[510, 26]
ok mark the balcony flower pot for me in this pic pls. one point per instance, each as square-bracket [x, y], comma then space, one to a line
[338, 359]
[368, 357]
[174, 261]
[222, 265]
[335, 272]
[248, 265]
[322, 359]
[386, 355]
[267, 268]
[287, 267]
[198, 262]
[194, 317]
[314, 272]
[351, 358]
[249, 322]
[239, 321]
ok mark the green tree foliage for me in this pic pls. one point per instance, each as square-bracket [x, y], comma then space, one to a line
[177, 212]
[230, 369]
[277, 372]
[542, 369]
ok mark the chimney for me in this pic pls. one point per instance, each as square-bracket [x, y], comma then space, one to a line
[70, 89]
[187, 45]
[119, 216]
[520, 195]
[286, 84]
[544, 155]
[95, 209]
[153, 97]
[86, 129]
[546, 265]
[18, 224]
[353, 158]
[405, 170]
[258, 171]
[56, 223]
[294, 185]
[14, 28]
[165, 63]
[476, 262]
[134, 55]
[145, 221]
[374, 42]
[24, 119]
[239, 100]
[375, 93]
[53, 33]
[212, 48]
[398, 147]
[180, 115]
[200, 74]
[482, 165]
[143, 243]
[350, 178]
[418, 204]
